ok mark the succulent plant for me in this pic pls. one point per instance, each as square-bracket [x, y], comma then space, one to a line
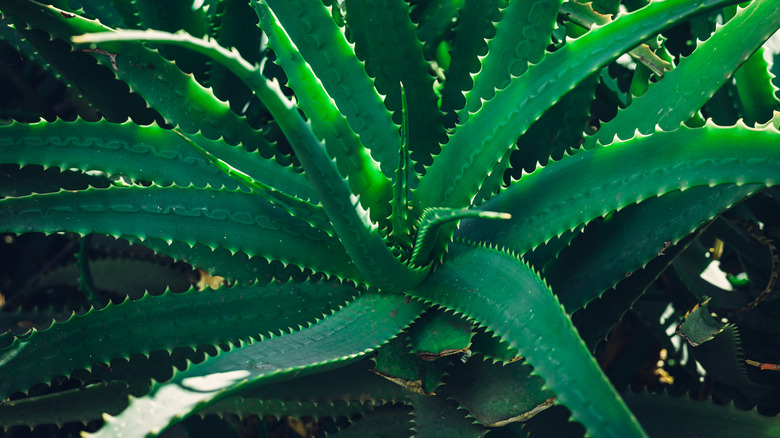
[420, 218]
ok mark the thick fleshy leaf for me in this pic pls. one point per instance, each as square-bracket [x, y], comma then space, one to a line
[165, 322]
[608, 251]
[686, 417]
[148, 153]
[191, 107]
[595, 182]
[456, 174]
[688, 87]
[386, 40]
[345, 336]
[516, 304]
[497, 395]
[245, 222]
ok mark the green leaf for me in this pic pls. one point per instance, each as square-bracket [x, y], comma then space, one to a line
[432, 220]
[699, 326]
[684, 90]
[393, 419]
[755, 90]
[497, 395]
[353, 161]
[243, 406]
[348, 334]
[397, 364]
[174, 15]
[352, 382]
[492, 347]
[595, 182]
[21, 181]
[685, 417]
[155, 322]
[98, 85]
[146, 153]
[235, 220]
[440, 334]
[191, 107]
[474, 27]
[558, 131]
[385, 39]
[516, 304]
[234, 24]
[353, 225]
[81, 404]
[323, 46]
[522, 36]
[456, 174]
[438, 416]
[609, 250]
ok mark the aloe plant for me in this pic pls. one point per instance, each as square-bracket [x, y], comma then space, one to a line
[425, 216]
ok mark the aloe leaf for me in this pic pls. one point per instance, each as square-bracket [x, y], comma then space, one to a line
[497, 395]
[81, 404]
[400, 215]
[385, 39]
[352, 382]
[397, 364]
[595, 321]
[558, 131]
[434, 21]
[191, 107]
[723, 359]
[509, 55]
[293, 205]
[517, 305]
[358, 234]
[86, 280]
[755, 90]
[148, 324]
[662, 162]
[234, 24]
[97, 85]
[440, 334]
[119, 277]
[332, 59]
[546, 139]
[21, 181]
[393, 419]
[685, 417]
[692, 83]
[350, 333]
[474, 27]
[174, 15]
[492, 347]
[231, 265]
[235, 220]
[243, 406]
[433, 219]
[626, 241]
[352, 159]
[148, 153]
[438, 416]
[456, 174]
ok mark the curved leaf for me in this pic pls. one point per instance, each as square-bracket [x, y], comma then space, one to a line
[595, 182]
[685, 417]
[148, 153]
[165, 322]
[345, 336]
[516, 304]
[684, 90]
[456, 174]
[235, 220]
